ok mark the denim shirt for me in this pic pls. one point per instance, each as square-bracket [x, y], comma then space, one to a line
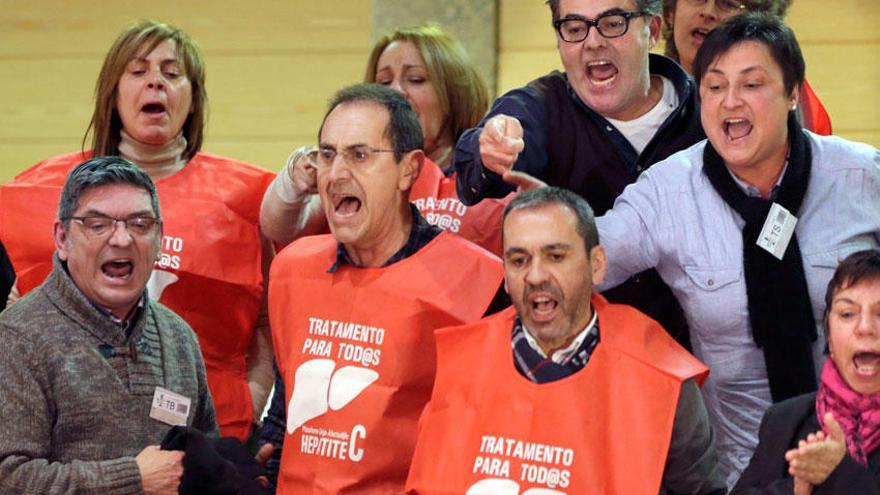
[673, 219]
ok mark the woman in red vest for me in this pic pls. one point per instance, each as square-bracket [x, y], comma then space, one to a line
[687, 22]
[150, 104]
[439, 80]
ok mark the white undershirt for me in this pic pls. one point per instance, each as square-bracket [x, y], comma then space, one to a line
[639, 131]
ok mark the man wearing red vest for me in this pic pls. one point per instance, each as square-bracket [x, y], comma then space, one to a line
[594, 397]
[353, 313]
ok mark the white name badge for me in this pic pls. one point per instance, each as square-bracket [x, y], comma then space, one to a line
[169, 408]
[777, 231]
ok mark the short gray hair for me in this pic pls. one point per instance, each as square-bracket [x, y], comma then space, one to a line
[535, 198]
[652, 7]
[98, 172]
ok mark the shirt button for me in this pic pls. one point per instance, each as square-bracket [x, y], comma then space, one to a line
[711, 282]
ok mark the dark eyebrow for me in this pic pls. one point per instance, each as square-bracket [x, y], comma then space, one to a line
[556, 245]
[514, 250]
[91, 212]
[326, 146]
[578, 17]
[747, 70]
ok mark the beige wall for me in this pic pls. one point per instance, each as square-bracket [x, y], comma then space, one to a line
[839, 39]
[272, 65]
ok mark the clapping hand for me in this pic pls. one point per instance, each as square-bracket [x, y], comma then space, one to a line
[818, 455]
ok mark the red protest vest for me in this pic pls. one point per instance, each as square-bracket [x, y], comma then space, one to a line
[355, 349]
[603, 430]
[209, 271]
[434, 195]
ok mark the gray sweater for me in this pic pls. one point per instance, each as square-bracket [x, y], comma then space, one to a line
[72, 420]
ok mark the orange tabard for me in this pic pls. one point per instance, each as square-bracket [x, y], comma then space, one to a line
[209, 272]
[356, 351]
[602, 430]
[434, 195]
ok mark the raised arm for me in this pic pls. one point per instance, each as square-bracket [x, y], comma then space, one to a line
[291, 207]
[511, 135]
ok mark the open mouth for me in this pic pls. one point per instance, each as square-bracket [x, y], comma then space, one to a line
[346, 206]
[121, 268]
[153, 108]
[867, 363]
[698, 35]
[601, 72]
[543, 305]
[736, 129]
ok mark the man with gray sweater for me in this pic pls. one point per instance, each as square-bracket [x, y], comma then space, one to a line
[92, 372]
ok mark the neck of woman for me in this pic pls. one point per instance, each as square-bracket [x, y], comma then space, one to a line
[441, 150]
[157, 160]
[764, 176]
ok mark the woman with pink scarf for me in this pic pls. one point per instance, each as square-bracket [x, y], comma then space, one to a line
[827, 442]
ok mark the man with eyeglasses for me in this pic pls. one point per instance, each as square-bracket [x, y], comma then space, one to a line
[614, 112]
[94, 371]
[353, 312]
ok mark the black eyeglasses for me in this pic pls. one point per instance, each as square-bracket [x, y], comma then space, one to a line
[98, 227]
[611, 25]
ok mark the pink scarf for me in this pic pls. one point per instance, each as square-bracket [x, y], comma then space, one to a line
[858, 415]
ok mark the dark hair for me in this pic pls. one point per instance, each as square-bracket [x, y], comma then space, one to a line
[101, 171]
[772, 7]
[762, 28]
[403, 129]
[855, 268]
[653, 7]
[535, 198]
[460, 88]
[145, 36]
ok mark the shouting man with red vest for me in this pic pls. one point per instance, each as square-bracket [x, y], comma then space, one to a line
[593, 398]
[353, 313]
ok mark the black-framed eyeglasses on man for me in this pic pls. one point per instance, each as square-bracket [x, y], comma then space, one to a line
[99, 226]
[611, 25]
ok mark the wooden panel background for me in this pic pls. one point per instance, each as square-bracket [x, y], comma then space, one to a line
[839, 39]
[272, 65]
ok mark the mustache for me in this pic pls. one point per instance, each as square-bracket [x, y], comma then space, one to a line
[543, 287]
